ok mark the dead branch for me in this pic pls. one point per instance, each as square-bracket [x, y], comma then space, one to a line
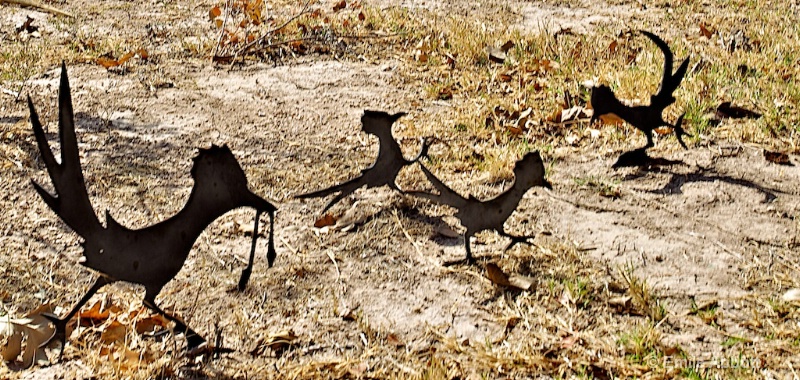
[39, 6]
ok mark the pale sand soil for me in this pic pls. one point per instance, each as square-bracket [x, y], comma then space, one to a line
[703, 228]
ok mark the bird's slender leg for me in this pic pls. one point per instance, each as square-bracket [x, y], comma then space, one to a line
[650, 142]
[249, 269]
[466, 260]
[194, 342]
[61, 323]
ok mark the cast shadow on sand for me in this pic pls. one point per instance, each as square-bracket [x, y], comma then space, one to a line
[639, 158]
[675, 184]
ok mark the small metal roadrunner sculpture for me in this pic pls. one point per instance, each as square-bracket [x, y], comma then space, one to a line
[385, 168]
[646, 118]
[477, 215]
[151, 256]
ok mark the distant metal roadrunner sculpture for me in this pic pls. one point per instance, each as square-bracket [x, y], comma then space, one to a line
[646, 118]
[385, 168]
[477, 215]
[151, 256]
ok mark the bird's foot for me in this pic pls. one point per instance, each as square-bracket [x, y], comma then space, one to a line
[197, 346]
[60, 334]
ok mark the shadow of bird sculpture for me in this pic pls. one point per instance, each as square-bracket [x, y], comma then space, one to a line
[646, 118]
[385, 168]
[477, 215]
[151, 256]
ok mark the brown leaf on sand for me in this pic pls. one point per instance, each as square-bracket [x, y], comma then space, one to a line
[151, 324]
[621, 304]
[325, 220]
[114, 332]
[339, 6]
[662, 131]
[214, 13]
[394, 340]
[705, 32]
[37, 331]
[94, 316]
[497, 276]
[777, 157]
[520, 282]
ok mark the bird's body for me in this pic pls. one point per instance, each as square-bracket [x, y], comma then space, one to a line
[476, 215]
[386, 167]
[153, 255]
[645, 118]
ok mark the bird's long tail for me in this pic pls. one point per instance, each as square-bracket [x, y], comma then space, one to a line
[71, 202]
[446, 195]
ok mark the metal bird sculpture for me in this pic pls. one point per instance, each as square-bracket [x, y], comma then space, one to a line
[646, 118]
[151, 256]
[477, 215]
[385, 168]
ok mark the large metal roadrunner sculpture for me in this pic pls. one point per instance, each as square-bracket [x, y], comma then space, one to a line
[477, 215]
[646, 118]
[385, 168]
[151, 256]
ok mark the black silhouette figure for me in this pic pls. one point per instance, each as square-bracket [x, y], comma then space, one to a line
[477, 215]
[646, 118]
[385, 168]
[151, 256]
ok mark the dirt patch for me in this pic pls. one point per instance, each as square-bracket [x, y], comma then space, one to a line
[580, 18]
[712, 227]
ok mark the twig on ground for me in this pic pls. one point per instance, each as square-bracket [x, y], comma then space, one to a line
[270, 32]
[222, 30]
[37, 5]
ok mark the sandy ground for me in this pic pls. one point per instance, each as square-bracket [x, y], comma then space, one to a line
[700, 229]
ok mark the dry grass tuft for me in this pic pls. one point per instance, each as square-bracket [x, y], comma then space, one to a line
[581, 319]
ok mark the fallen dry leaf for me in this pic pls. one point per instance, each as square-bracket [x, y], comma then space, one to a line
[94, 316]
[662, 131]
[114, 332]
[520, 282]
[339, 6]
[325, 220]
[394, 340]
[612, 47]
[622, 303]
[777, 157]
[214, 13]
[37, 331]
[704, 31]
[496, 275]
[496, 55]
[151, 324]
